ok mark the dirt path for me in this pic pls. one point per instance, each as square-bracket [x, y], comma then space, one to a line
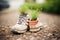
[50, 19]
[8, 17]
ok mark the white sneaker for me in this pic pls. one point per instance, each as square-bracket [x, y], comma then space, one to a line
[36, 28]
[19, 28]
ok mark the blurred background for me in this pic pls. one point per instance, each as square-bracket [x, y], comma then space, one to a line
[9, 12]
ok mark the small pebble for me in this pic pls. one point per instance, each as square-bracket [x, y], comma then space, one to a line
[49, 34]
[24, 35]
[44, 36]
[32, 38]
[19, 39]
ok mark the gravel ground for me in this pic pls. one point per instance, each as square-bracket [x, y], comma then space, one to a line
[45, 33]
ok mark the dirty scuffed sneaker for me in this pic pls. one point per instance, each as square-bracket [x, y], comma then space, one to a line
[19, 28]
[36, 27]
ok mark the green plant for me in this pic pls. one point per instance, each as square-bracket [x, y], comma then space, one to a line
[34, 15]
[32, 6]
[23, 9]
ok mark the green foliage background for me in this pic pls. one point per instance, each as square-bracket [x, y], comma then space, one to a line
[51, 6]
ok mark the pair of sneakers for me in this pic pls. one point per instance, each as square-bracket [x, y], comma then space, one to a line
[21, 28]
[22, 25]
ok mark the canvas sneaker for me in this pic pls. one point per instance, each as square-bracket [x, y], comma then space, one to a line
[21, 26]
[36, 27]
